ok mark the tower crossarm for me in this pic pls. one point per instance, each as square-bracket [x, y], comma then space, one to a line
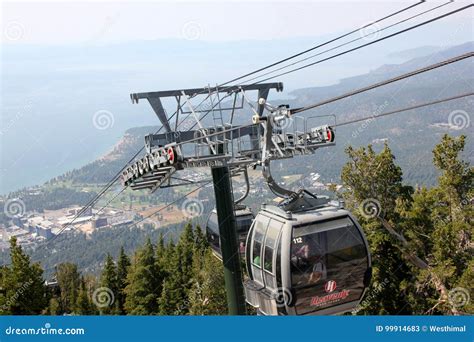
[235, 146]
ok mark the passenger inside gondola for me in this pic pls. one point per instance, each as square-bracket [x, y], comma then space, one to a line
[319, 271]
[242, 247]
[307, 261]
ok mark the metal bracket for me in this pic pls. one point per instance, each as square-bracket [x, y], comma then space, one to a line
[247, 187]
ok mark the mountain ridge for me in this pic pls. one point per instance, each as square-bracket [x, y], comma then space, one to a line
[423, 87]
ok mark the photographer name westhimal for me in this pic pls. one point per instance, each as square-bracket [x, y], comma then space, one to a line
[447, 328]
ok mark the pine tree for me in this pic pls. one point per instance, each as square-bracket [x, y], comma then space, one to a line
[23, 289]
[374, 184]
[437, 223]
[200, 239]
[54, 307]
[108, 281]
[168, 255]
[167, 304]
[187, 246]
[144, 283]
[83, 304]
[179, 280]
[160, 255]
[173, 299]
[207, 295]
[69, 281]
[123, 263]
[426, 234]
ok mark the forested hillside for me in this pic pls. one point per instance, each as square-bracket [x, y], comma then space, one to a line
[420, 239]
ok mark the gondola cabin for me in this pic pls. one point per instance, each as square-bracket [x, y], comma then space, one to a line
[312, 262]
[243, 218]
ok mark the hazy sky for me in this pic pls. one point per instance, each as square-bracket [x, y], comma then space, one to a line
[70, 22]
[61, 62]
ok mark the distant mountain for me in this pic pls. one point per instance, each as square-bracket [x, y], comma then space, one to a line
[392, 70]
[412, 135]
[416, 52]
[50, 94]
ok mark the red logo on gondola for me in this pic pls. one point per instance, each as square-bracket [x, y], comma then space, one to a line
[331, 298]
[171, 155]
[330, 286]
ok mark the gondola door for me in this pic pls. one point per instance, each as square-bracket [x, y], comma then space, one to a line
[328, 265]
